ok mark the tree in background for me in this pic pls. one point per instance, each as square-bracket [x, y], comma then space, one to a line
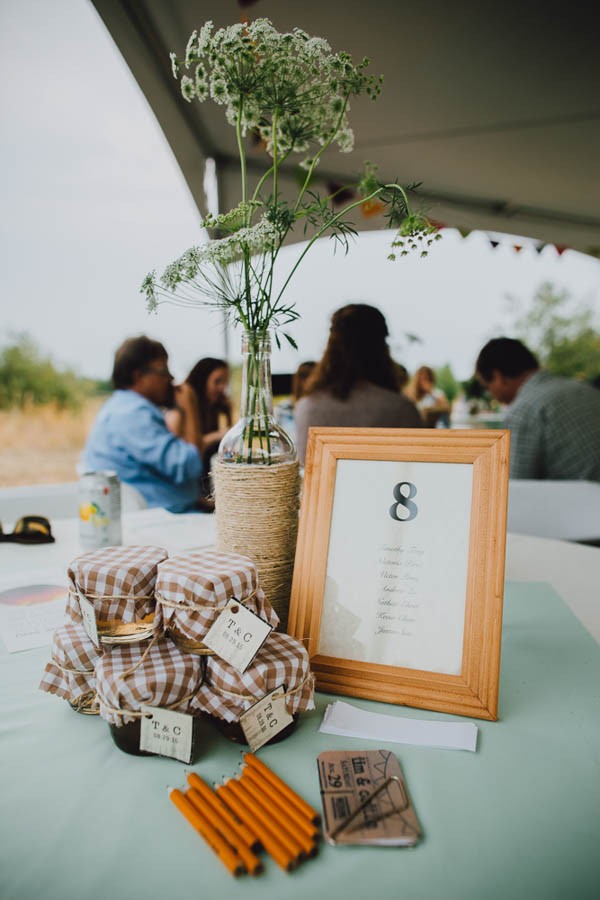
[445, 380]
[29, 378]
[566, 339]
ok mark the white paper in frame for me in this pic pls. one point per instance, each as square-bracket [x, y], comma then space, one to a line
[399, 572]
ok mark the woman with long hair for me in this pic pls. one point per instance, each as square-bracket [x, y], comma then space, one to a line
[355, 384]
[208, 383]
[431, 402]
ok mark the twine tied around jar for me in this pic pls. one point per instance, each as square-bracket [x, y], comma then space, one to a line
[237, 696]
[138, 714]
[108, 628]
[187, 645]
[174, 604]
[86, 704]
[257, 516]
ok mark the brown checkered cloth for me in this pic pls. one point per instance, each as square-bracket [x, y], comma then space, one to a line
[282, 660]
[154, 673]
[70, 672]
[119, 581]
[192, 590]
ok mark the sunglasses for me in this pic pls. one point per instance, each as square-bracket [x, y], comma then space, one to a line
[30, 530]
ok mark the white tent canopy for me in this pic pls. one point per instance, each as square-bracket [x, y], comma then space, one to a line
[494, 109]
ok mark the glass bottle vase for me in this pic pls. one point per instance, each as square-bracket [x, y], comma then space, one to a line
[257, 438]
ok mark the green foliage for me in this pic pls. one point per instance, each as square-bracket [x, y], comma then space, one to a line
[27, 377]
[446, 381]
[565, 339]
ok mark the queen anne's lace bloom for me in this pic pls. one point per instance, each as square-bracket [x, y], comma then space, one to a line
[291, 93]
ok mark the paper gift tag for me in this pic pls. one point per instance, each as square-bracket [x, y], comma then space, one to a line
[167, 733]
[237, 635]
[265, 719]
[88, 614]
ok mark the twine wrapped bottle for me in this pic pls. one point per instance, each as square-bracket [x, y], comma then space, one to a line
[257, 481]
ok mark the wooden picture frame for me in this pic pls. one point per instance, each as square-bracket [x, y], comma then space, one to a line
[443, 569]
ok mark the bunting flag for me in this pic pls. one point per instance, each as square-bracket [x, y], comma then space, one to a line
[464, 232]
[437, 225]
[560, 248]
[517, 247]
[494, 244]
[539, 247]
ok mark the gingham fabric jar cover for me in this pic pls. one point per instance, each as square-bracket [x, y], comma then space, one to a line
[282, 660]
[119, 581]
[70, 673]
[152, 674]
[192, 589]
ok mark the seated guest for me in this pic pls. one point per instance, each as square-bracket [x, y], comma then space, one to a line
[209, 380]
[431, 402]
[285, 411]
[356, 383]
[130, 435]
[554, 422]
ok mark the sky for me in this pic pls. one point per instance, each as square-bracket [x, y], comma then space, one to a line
[93, 199]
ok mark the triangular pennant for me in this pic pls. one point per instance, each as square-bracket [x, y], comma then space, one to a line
[517, 247]
[437, 225]
[539, 247]
[464, 232]
[494, 244]
[560, 248]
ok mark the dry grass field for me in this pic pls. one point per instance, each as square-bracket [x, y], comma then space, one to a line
[41, 445]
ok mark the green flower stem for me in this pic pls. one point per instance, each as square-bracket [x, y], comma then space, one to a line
[327, 225]
[268, 173]
[318, 155]
[238, 134]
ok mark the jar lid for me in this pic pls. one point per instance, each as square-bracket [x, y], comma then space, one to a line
[70, 673]
[118, 581]
[192, 590]
[282, 660]
[152, 674]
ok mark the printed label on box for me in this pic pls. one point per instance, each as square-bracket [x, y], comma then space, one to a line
[237, 635]
[88, 614]
[265, 719]
[167, 733]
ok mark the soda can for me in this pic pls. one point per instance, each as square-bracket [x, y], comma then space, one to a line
[99, 510]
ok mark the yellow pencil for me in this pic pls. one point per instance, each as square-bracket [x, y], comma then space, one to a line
[245, 834]
[277, 799]
[271, 843]
[281, 786]
[215, 818]
[303, 845]
[226, 854]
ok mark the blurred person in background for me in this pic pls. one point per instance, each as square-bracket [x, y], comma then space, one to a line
[554, 422]
[209, 381]
[285, 411]
[130, 435]
[355, 384]
[431, 402]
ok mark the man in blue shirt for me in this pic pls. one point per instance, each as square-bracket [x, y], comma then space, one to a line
[131, 438]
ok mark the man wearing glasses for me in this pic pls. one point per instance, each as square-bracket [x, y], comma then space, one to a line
[131, 438]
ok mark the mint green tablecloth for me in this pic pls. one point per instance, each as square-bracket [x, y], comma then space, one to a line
[518, 819]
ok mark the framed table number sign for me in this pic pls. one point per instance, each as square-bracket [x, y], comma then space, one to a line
[399, 573]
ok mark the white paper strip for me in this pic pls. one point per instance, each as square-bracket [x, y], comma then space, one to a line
[344, 719]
